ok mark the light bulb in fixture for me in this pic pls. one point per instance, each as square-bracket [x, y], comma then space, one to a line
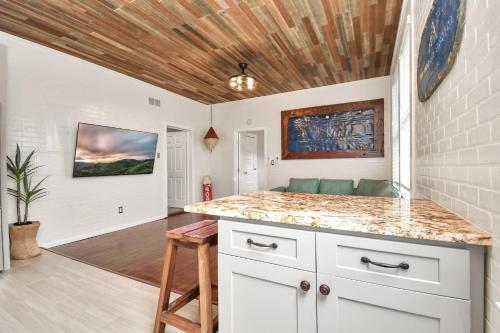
[243, 81]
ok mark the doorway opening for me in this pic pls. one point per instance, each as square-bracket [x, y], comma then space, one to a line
[250, 164]
[178, 170]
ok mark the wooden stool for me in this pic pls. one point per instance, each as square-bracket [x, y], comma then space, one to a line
[200, 235]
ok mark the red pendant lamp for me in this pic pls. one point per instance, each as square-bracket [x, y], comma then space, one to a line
[211, 137]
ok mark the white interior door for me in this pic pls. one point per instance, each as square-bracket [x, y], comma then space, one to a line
[176, 169]
[247, 163]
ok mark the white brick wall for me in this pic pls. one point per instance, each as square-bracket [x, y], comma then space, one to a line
[458, 134]
[48, 93]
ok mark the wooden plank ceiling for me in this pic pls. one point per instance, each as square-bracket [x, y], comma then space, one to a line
[192, 47]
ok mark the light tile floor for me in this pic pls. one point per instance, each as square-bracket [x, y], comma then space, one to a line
[55, 294]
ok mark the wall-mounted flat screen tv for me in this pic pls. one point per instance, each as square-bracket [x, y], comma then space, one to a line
[110, 151]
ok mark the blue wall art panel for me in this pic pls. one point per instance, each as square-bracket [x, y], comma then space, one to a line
[439, 44]
[332, 131]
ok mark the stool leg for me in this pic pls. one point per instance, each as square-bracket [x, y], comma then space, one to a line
[205, 288]
[166, 285]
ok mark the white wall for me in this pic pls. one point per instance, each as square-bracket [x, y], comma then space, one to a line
[48, 93]
[4, 231]
[458, 134]
[266, 112]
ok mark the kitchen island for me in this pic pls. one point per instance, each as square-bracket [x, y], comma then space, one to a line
[293, 262]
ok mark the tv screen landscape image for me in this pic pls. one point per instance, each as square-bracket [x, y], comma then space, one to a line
[110, 151]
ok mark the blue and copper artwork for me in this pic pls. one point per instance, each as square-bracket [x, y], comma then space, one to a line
[349, 130]
[439, 44]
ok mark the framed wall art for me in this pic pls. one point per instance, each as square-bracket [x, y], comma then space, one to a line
[334, 131]
[439, 45]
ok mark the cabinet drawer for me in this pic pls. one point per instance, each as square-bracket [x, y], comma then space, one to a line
[292, 248]
[431, 269]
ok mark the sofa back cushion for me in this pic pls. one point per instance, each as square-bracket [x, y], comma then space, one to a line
[336, 186]
[385, 189]
[366, 187]
[376, 188]
[304, 185]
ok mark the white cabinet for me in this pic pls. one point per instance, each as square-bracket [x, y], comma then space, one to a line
[375, 285]
[354, 307]
[266, 298]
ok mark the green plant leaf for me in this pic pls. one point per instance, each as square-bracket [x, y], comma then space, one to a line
[12, 192]
[18, 156]
[27, 161]
[31, 170]
[39, 183]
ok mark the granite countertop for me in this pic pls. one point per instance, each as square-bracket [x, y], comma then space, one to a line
[415, 219]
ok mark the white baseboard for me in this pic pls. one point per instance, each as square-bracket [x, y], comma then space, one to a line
[99, 232]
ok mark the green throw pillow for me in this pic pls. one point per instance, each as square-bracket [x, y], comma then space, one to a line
[385, 189]
[304, 185]
[279, 189]
[366, 187]
[336, 186]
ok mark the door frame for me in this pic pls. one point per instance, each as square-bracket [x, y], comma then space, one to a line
[189, 162]
[4, 223]
[236, 152]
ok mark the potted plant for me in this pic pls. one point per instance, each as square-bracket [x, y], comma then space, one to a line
[23, 244]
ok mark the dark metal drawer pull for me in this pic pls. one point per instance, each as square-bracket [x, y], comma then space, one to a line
[402, 265]
[272, 245]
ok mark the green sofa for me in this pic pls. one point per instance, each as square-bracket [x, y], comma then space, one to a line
[366, 187]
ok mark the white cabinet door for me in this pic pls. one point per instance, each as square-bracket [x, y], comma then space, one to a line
[354, 307]
[264, 298]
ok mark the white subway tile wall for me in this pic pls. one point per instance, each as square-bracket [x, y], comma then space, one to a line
[48, 93]
[458, 135]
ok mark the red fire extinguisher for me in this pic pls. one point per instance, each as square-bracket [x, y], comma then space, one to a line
[207, 188]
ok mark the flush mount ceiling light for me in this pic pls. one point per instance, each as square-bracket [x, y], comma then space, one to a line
[242, 81]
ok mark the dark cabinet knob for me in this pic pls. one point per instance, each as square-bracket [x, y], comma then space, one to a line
[324, 290]
[305, 286]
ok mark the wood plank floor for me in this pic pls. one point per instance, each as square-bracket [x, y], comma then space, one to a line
[54, 294]
[138, 252]
[174, 211]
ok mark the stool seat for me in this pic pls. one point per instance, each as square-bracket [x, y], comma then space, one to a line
[200, 235]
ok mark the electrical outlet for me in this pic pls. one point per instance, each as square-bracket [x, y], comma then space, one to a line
[120, 210]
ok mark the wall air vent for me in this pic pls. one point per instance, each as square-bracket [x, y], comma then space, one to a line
[154, 102]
